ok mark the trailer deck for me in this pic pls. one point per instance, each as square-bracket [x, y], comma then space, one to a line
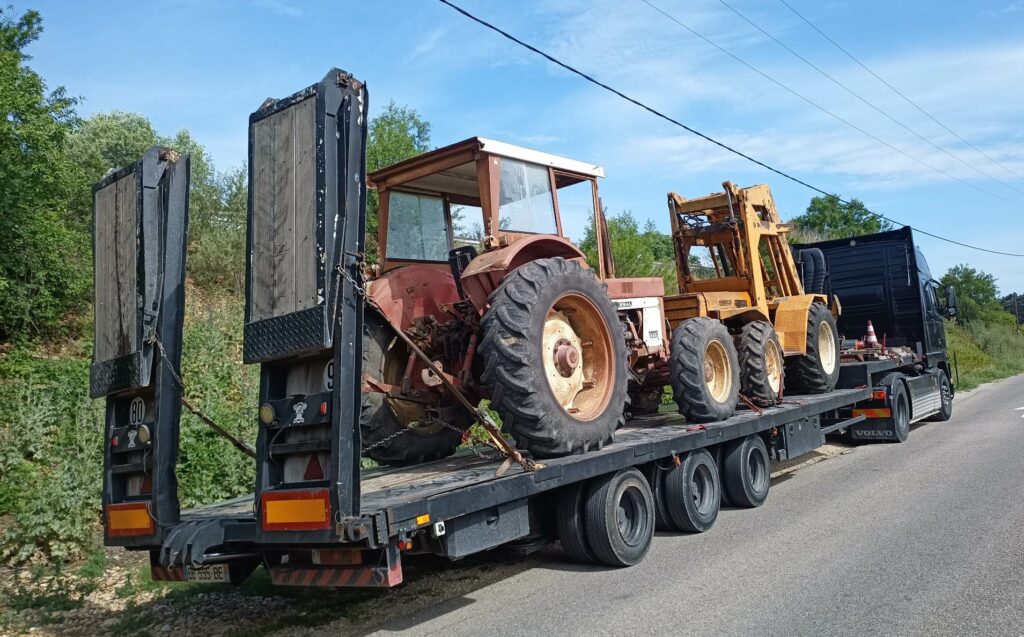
[466, 482]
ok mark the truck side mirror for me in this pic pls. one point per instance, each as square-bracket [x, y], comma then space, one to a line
[950, 302]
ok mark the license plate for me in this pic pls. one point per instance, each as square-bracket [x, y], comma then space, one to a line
[211, 573]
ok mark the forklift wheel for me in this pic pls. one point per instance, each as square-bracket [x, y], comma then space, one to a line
[704, 370]
[817, 371]
[761, 362]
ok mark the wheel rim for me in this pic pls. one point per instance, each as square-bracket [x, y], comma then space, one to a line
[773, 364]
[717, 371]
[630, 516]
[826, 347]
[701, 489]
[578, 356]
[947, 394]
[756, 470]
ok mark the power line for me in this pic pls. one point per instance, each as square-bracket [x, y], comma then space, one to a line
[827, 111]
[696, 132]
[864, 100]
[898, 92]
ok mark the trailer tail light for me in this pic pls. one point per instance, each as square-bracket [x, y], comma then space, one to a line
[296, 510]
[873, 413]
[132, 518]
[878, 394]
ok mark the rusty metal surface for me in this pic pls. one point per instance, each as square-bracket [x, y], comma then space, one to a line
[412, 291]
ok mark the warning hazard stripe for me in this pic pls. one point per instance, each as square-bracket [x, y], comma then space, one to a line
[338, 577]
[880, 412]
[167, 574]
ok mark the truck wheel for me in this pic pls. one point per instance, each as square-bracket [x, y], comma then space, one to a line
[381, 417]
[704, 370]
[761, 362]
[556, 368]
[816, 372]
[900, 410]
[946, 394]
[747, 472]
[570, 526]
[620, 517]
[693, 493]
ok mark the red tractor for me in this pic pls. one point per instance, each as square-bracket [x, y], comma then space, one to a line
[475, 268]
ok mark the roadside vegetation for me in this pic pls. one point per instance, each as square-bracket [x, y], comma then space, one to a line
[50, 431]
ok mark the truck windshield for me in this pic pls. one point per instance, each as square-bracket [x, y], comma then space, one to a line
[417, 229]
[525, 203]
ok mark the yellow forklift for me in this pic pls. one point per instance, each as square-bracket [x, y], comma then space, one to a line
[749, 320]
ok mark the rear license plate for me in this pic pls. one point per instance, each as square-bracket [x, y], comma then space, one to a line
[211, 573]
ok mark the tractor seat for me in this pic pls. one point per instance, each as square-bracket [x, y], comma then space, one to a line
[635, 288]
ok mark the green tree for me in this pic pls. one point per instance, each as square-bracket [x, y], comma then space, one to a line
[636, 253]
[832, 219]
[1014, 304]
[44, 260]
[976, 292]
[396, 134]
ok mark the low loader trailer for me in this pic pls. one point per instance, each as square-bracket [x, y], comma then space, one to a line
[316, 517]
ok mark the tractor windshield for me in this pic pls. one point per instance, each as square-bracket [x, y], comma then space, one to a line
[417, 228]
[525, 203]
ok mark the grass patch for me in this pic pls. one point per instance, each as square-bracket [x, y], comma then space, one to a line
[985, 352]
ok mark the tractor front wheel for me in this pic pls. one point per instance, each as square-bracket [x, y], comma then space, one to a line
[761, 362]
[554, 358]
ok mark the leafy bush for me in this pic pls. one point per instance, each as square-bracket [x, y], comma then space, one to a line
[51, 459]
[985, 352]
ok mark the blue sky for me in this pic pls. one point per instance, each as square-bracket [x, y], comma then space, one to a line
[206, 65]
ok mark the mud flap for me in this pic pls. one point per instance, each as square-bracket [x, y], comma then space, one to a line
[140, 222]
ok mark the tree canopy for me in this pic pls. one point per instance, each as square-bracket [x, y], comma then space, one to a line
[977, 294]
[831, 218]
[637, 253]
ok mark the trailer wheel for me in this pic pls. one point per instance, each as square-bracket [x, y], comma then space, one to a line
[382, 418]
[620, 517]
[946, 393]
[570, 525]
[704, 370]
[816, 372]
[656, 479]
[747, 473]
[693, 493]
[556, 368]
[761, 362]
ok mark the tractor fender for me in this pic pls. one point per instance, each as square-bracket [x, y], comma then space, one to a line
[791, 321]
[485, 273]
[411, 291]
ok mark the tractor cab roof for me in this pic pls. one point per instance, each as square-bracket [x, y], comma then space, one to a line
[453, 169]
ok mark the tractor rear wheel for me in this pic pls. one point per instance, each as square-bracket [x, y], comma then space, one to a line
[761, 362]
[554, 358]
[704, 370]
[412, 433]
[816, 372]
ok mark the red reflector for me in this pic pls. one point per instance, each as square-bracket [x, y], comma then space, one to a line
[405, 545]
[323, 409]
[313, 469]
[878, 394]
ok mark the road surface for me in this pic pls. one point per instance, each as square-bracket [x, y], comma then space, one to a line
[923, 538]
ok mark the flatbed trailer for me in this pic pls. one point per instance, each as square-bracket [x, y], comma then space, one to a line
[459, 506]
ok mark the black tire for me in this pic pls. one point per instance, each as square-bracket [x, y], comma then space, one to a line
[808, 374]
[378, 418]
[511, 348]
[570, 525]
[690, 345]
[645, 401]
[656, 479]
[693, 493]
[619, 516]
[900, 405]
[757, 343]
[946, 393]
[746, 470]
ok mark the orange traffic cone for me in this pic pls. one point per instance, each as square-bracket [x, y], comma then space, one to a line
[871, 340]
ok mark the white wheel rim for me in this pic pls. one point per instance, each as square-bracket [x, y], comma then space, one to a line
[826, 347]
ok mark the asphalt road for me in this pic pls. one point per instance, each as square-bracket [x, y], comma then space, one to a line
[923, 538]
